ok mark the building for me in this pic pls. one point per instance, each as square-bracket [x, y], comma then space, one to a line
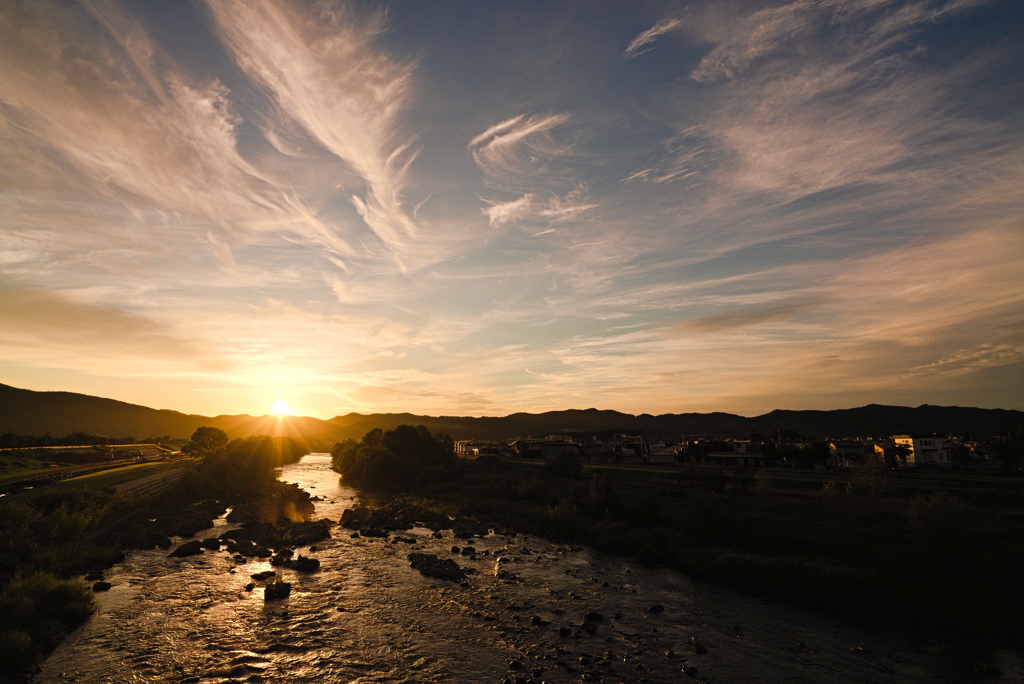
[731, 452]
[661, 453]
[844, 453]
[924, 451]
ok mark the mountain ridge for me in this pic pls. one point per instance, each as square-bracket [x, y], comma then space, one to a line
[28, 412]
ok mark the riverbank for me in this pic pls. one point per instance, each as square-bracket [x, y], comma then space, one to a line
[933, 563]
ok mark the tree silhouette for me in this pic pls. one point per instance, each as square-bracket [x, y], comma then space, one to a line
[206, 440]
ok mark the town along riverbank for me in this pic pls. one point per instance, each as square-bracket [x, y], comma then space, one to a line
[525, 609]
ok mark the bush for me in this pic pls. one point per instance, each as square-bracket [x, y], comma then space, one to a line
[565, 463]
[601, 498]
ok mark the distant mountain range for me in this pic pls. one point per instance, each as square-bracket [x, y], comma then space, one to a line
[25, 412]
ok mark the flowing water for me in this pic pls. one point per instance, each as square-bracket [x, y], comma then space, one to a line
[368, 617]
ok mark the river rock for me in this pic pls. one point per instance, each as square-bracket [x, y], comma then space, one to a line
[241, 547]
[593, 616]
[282, 557]
[277, 590]
[305, 564]
[355, 518]
[101, 586]
[430, 565]
[211, 544]
[187, 549]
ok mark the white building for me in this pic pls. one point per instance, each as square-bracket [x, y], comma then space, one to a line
[928, 451]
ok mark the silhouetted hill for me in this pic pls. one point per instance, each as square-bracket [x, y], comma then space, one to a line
[25, 412]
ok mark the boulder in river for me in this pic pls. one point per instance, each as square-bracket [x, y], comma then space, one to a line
[277, 589]
[282, 557]
[101, 586]
[354, 518]
[430, 565]
[190, 548]
[305, 564]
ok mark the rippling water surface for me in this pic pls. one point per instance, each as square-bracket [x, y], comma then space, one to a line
[369, 617]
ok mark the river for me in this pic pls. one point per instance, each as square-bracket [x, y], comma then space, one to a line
[368, 617]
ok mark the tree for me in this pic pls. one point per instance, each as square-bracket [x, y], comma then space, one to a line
[205, 441]
[395, 460]
[904, 452]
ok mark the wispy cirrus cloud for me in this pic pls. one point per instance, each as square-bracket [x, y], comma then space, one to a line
[126, 125]
[93, 107]
[520, 155]
[745, 316]
[553, 211]
[321, 67]
[639, 45]
[499, 213]
[514, 152]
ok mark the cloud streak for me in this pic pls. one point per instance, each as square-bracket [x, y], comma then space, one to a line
[639, 45]
[511, 154]
[323, 71]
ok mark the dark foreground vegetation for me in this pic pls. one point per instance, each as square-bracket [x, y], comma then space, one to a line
[942, 562]
[50, 540]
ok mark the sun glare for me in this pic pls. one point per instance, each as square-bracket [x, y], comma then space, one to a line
[281, 408]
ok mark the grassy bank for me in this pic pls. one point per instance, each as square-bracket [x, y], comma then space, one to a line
[51, 536]
[940, 562]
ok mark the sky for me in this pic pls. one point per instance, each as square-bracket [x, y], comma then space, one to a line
[479, 208]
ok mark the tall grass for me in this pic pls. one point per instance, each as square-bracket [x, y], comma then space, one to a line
[38, 610]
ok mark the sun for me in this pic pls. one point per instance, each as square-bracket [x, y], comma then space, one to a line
[281, 408]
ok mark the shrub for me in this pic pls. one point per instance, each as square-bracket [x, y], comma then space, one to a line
[566, 463]
[601, 498]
